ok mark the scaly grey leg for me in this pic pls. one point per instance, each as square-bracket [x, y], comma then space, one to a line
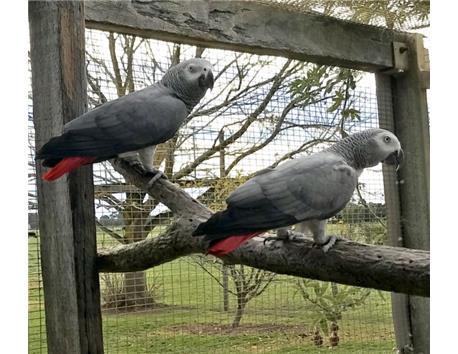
[147, 159]
[142, 162]
[318, 229]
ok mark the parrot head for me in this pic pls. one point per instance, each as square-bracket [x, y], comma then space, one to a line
[198, 72]
[190, 79]
[386, 148]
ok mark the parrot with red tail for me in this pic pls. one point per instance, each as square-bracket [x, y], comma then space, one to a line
[306, 191]
[131, 126]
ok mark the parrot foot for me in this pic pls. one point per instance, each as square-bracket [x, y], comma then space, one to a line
[156, 174]
[325, 247]
[152, 172]
[135, 164]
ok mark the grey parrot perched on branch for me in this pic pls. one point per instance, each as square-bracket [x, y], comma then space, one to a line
[131, 126]
[306, 190]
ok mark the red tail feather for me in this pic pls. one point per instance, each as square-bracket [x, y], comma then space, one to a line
[66, 165]
[229, 244]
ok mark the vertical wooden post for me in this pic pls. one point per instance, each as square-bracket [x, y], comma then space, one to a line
[225, 275]
[399, 302]
[67, 221]
[410, 197]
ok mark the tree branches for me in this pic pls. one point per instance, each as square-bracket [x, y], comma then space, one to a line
[278, 80]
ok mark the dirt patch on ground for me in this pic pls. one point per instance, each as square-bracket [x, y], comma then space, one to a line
[216, 328]
[153, 308]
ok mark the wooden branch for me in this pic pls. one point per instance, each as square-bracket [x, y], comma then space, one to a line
[178, 201]
[380, 267]
[386, 268]
[251, 27]
[154, 251]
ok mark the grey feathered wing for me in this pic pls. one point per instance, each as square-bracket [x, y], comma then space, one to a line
[140, 119]
[313, 187]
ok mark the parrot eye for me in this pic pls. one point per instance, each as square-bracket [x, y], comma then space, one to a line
[191, 68]
[386, 139]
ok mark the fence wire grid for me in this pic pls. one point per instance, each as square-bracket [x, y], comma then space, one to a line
[195, 304]
[406, 15]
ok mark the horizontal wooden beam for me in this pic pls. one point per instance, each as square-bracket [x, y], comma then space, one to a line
[249, 27]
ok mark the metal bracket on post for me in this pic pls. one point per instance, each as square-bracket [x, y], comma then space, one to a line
[400, 59]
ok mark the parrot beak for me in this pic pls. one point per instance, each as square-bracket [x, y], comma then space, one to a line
[206, 80]
[396, 158]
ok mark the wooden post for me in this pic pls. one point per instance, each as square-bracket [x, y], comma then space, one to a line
[66, 206]
[411, 125]
[224, 270]
[399, 302]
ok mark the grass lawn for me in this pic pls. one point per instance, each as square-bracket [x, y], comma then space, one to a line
[190, 318]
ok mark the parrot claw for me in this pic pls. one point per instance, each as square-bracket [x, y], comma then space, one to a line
[268, 239]
[325, 247]
[135, 164]
[156, 175]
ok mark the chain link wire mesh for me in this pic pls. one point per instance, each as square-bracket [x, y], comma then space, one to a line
[36, 312]
[404, 15]
[264, 110]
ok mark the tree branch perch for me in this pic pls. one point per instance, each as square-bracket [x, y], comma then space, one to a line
[386, 268]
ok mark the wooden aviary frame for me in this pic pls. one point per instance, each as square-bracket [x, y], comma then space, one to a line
[69, 260]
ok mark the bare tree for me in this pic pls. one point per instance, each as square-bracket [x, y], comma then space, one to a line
[248, 283]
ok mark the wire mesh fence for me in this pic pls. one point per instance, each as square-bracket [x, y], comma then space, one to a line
[405, 15]
[262, 111]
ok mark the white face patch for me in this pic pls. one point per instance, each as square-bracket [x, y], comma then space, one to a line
[387, 143]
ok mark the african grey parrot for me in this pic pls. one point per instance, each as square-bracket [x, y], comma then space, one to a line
[305, 190]
[131, 125]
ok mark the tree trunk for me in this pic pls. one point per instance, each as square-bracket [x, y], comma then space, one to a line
[135, 283]
[241, 303]
[225, 282]
[222, 174]
[135, 290]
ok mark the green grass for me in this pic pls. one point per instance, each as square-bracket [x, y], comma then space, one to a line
[37, 330]
[191, 319]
